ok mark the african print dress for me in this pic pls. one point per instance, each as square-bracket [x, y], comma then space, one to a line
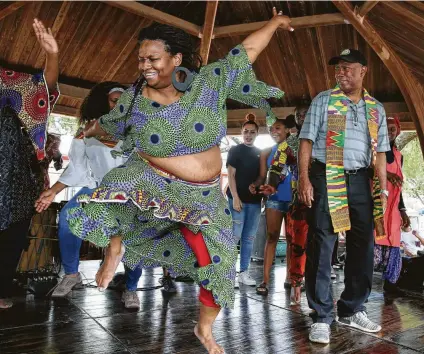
[25, 105]
[147, 205]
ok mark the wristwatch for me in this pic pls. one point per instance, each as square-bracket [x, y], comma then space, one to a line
[385, 192]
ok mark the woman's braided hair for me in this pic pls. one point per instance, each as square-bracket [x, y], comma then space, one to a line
[175, 41]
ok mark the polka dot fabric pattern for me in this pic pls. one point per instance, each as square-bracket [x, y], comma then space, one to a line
[147, 206]
[29, 97]
[198, 120]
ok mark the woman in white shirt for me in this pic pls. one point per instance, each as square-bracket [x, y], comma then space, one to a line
[89, 160]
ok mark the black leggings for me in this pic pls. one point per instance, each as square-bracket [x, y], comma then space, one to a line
[12, 241]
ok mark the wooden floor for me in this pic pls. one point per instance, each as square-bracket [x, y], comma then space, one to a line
[88, 321]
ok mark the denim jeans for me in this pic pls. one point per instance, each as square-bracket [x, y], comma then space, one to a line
[70, 245]
[245, 227]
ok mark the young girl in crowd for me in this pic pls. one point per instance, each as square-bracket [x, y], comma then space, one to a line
[275, 161]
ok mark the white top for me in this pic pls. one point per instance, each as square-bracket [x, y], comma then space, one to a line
[411, 242]
[89, 161]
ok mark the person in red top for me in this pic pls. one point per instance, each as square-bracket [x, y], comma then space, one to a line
[387, 257]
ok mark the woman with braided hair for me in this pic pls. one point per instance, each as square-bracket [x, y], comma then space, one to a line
[164, 206]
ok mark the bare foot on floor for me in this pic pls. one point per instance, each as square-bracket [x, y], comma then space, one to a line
[208, 341]
[295, 295]
[107, 271]
[5, 304]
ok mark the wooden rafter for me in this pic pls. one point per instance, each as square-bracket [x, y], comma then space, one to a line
[407, 15]
[156, 15]
[207, 32]
[411, 89]
[296, 22]
[11, 9]
[74, 92]
[367, 7]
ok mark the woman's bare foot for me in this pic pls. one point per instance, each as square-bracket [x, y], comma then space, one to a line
[5, 304]
[206, 338]
[107, 271]
[295, 294]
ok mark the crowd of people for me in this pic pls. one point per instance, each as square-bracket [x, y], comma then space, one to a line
[148, 160]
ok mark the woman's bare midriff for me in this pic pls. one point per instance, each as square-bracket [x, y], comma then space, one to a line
[199, 167]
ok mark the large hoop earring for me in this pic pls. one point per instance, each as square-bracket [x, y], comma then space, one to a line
[182, 86]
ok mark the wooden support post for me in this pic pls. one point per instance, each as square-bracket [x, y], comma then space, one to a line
[412, 90]
[207, 32]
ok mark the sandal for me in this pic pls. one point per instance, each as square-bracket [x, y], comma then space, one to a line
[262, 289]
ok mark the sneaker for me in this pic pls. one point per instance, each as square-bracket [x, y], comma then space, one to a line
[360, 321]
[168, 284]
[66, 285]
[237, 282]
[245, 278]
[333, 274]
[130, 299]
[320, 333]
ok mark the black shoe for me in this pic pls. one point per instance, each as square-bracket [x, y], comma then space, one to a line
[391, 289]
[168, 284]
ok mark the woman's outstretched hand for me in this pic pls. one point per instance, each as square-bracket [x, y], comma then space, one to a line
[283, 21]
[45, 37]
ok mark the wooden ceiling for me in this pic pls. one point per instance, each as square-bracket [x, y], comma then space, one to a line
[98, 42]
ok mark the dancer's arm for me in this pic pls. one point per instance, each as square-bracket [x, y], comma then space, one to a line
[49, 45]
[259, 40]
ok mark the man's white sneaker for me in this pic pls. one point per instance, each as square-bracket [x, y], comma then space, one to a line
[360, 321]
[245, 278]
[320, 333]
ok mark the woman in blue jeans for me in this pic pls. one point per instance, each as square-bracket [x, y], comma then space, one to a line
[89, 160]
[275, 162]
[243, 170]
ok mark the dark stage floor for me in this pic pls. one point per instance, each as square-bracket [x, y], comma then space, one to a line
[88, 321]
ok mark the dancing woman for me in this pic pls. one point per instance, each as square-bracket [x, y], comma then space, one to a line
[164, 206]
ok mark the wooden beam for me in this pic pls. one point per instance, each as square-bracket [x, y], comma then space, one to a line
[407, 126]
[73, 91]
[10, 9]
[367, 7]
[65, 110]
[405, 13]
[296, 22]
[156, 15]
[207, 32]
[410, 88]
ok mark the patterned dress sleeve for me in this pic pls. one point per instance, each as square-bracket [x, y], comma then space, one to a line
[29, 96]
[117, 122]
[238, 81]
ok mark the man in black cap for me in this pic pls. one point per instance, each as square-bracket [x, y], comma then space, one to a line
[344, 135]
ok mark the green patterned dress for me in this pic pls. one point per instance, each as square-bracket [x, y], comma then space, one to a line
[146, 205]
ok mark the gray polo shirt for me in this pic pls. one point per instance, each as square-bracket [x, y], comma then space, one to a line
[357, 148]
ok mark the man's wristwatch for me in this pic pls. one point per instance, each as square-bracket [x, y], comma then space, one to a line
[385, 192]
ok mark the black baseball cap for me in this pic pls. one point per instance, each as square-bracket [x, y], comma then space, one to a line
[351, 56]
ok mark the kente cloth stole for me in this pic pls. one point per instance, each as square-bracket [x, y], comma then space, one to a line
[336, 182]
[282, 159]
